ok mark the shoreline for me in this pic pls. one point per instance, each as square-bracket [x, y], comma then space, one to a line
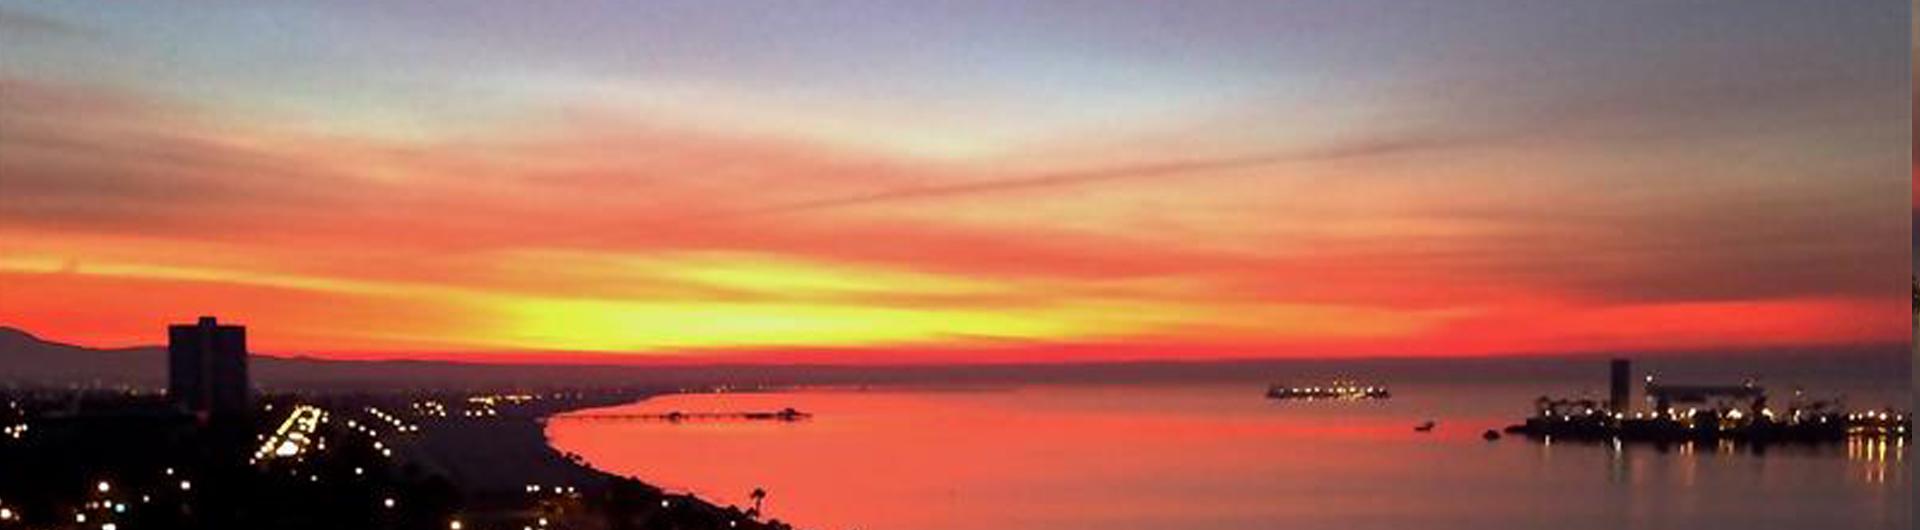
[497, 462]
[575, 460]
[580, 462]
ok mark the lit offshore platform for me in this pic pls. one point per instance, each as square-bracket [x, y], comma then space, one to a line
[1683, 412]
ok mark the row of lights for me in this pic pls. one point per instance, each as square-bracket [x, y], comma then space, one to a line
[1735, 415]
[563, 490]
[371, 435]
[430, 408]
[293, 435]
[1876, 416]
[484, 406]
[398, 426]
[1338, 389]
[492, 399]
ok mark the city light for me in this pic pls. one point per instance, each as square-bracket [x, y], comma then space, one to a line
[287, 453]
[293, 436]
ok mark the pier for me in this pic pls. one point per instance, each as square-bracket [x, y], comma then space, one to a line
[788, 414]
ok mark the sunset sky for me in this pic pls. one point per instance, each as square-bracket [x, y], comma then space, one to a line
[964, 181]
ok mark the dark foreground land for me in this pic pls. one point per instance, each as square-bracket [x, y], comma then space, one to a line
[114, 460]
[502, 459]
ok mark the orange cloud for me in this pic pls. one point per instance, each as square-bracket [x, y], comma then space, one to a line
[586, 232]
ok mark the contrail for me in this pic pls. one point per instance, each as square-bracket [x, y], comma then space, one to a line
[1339, 151]
[1074, 178]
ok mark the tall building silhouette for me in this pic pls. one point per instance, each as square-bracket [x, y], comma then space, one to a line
[207, 369]
[1620, 397]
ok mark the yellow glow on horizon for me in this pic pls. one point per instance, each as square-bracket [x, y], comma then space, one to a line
[768, 301]
[591, 325]
[752, 273]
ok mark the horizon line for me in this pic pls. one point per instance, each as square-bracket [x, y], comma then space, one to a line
[767, 359]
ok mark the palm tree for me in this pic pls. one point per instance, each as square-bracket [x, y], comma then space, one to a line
[758, 496]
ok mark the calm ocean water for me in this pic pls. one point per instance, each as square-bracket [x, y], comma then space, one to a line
[1220, 456]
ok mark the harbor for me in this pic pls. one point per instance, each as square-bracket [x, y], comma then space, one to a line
[1683, 412]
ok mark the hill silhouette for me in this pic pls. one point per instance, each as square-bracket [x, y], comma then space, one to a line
[28, 359]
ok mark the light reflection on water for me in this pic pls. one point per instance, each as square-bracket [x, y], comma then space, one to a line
[1213, 456]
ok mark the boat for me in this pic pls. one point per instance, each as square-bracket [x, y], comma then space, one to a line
[1426, 426]
[1339, 390]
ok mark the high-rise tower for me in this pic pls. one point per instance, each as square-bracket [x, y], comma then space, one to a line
[1621, 396]
[207, 369]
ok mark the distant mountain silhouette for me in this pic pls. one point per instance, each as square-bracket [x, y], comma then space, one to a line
[27, 359]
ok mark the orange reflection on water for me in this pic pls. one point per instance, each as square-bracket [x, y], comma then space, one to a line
[1218, 457]
[954, 452]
